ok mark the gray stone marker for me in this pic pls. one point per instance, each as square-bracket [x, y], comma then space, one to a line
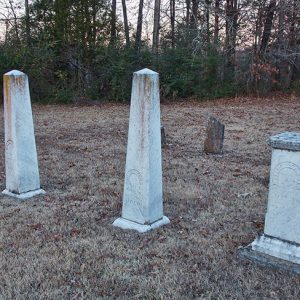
[21, 165]
[143, 197]
[214, 136]
[281, 237]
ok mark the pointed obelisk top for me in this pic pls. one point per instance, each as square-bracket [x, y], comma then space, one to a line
[14, 73]
[146, 72]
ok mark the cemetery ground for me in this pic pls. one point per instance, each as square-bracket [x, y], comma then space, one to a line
[62, 245]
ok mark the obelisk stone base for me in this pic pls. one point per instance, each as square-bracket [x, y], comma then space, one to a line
[274, 253]
[142, 228]
[24, 196]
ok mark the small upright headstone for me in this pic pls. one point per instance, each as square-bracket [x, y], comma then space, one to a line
[21, 164]
[281, 237]
[143, 197]
[214, 136]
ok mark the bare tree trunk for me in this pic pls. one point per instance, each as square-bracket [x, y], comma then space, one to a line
[15, 21]
[258, 29]
[126, 27]
[155, 42]
[93, 24]
[113, 19]
[207, 13]
[6, 31]
[138, 39]
[283, 64]
[295, 16]
[194, 17]
[172, 14]
[216, 27]
[188, 9]
[267, 26]
[292, 42]
[60, 22]
[27, 23]
[230, 39]
[86, 28]
[281, 16]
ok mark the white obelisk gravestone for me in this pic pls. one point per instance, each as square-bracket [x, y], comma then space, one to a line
[143, 197]
[21, 165]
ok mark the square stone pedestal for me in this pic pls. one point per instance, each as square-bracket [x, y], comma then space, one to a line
[25, 195]
[142, 228]
[281, 237]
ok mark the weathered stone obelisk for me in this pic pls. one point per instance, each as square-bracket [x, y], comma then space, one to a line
[21, 164]
[143, 197]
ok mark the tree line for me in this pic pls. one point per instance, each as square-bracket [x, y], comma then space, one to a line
[86, 50]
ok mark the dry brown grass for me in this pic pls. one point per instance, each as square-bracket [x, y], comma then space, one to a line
[63, 246]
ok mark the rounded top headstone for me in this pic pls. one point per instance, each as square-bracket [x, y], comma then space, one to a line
[146, 72]
[14, 73]
[285, 141]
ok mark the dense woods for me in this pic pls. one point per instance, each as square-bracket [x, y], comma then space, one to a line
[87, 49]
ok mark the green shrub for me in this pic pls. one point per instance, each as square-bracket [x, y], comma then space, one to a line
[295, 87]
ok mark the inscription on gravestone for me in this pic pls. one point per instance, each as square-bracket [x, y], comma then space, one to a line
[134, 188]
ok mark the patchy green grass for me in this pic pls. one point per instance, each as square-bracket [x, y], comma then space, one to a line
[63, 246]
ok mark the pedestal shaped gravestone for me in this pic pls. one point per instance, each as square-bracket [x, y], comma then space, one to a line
[21, 165]
[281, 237]
[214, 136]
[143, 197]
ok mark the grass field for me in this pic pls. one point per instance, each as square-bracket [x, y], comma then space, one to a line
[63, 246]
